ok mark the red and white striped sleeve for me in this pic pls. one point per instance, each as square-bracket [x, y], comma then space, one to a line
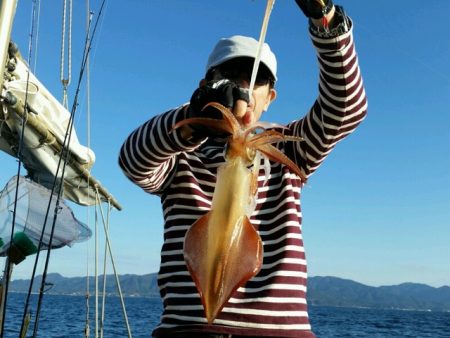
[340, 106]
[148, 155]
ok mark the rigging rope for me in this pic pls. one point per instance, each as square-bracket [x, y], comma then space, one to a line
[119, 289]
[96, 273]
[65, 81]
[102, 318]
[105, 255]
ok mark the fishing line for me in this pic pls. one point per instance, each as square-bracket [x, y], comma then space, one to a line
[262, 37]
[19, 165]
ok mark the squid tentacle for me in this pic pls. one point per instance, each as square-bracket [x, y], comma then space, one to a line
[228, 116]
[276, 155]
[265, 138]
[264, 126]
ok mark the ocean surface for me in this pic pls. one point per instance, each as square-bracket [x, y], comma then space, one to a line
[65, 316]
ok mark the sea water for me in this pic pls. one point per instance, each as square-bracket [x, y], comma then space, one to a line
[65, 316]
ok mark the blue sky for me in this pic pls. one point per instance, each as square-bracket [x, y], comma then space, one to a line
[377, 211]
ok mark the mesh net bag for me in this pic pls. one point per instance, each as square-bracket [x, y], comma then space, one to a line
[31, 209]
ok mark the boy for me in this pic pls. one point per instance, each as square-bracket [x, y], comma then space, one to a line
[181, 165]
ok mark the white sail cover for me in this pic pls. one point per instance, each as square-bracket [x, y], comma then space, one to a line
[48, 120]
[32, 204]
[51, 113]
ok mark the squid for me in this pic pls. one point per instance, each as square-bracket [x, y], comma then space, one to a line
[222, 249]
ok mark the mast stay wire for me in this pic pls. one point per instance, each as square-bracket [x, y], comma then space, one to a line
[108, 246]
[89, 15]
[105, 255]
[8, 265]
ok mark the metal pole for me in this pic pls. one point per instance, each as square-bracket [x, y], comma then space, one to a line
[7, 13]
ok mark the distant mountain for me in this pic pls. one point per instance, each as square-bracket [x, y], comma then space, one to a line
[325, 291]
[332, 291]
[131, 285]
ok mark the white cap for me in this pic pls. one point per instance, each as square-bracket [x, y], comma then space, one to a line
[241, 46]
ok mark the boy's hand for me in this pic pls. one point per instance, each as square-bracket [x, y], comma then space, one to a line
[315, 9]
[224, 92]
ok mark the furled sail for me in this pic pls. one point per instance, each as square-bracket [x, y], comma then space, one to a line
[47, 122]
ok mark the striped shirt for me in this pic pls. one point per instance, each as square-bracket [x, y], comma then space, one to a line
[183, 174]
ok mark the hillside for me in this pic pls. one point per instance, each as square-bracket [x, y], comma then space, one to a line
[324, 291]
[332, 291]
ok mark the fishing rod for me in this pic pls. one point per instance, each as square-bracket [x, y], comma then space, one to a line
[262, 37]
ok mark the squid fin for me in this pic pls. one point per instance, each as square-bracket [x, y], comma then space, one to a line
[220, 270]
